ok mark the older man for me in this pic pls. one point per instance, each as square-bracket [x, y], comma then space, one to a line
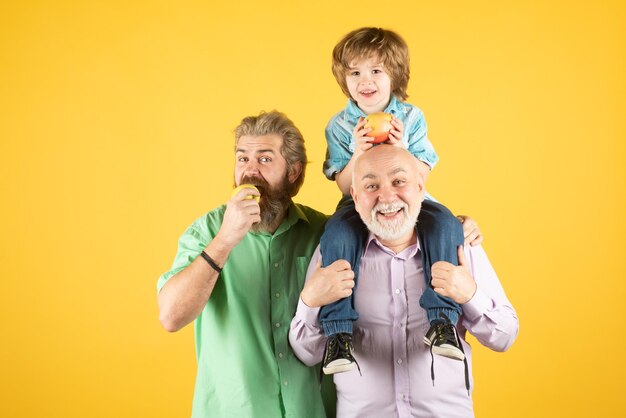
[238, 273]
[397, 377]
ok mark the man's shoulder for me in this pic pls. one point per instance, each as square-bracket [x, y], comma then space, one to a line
[209, 222]
[314, 217]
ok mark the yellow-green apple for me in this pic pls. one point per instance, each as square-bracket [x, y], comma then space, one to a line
[246, 186]
[380, 122]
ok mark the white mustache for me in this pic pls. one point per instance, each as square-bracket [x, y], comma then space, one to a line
[388, 207]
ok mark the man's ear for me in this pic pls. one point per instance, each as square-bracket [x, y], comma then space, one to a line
[355, 197]
[420, 182]
[294, 171]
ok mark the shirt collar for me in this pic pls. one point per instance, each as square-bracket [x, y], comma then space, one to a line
[394, 107]
[294, 214]
[409, 252]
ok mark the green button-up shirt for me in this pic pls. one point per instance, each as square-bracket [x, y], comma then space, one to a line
[245, 365]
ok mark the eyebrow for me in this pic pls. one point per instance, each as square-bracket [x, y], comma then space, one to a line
[260, 151]
[398, 170]
[374, 176]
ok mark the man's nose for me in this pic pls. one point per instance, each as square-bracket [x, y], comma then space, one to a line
[252, 167]
[386, 194]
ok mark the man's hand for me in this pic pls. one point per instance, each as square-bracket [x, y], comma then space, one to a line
[471, 231]
[240, 215]
[455, 282]
[328, 285]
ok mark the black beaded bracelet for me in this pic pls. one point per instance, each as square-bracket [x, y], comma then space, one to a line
[211, 262]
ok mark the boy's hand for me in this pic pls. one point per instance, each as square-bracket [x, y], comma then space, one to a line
[360, 137]
[471, 231]
[395, 135]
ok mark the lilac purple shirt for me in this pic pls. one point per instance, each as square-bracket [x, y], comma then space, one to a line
[388, 337]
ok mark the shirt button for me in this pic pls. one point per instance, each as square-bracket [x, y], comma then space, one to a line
[397, 291]
[277, 325]
[275, 264]
[280, 355]
[285, 383]
[399, 361]
[277, 295]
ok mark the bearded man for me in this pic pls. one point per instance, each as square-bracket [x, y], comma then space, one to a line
[238, 273]
[397, 373]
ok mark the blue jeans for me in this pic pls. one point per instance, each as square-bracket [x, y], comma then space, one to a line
[439, 233]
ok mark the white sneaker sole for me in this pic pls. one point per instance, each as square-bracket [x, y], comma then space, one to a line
[333, 367]
[452, 352]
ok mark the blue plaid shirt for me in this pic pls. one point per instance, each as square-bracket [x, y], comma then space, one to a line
[341, 145]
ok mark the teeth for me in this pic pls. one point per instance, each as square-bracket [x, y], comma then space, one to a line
[387, 211]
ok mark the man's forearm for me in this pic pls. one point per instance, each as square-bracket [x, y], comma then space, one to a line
[184, 296]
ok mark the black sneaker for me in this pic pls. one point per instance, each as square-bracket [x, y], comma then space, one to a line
[443, 339]
[338, 354]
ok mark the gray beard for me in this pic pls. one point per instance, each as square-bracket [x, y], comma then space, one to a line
[271, 211]
[392, 230]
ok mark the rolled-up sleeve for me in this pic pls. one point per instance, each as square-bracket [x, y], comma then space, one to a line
[418, 143]
[305, 335]
[488, 316]
[190, 245]
[339, 148]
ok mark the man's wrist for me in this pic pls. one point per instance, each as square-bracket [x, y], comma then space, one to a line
[467, 299]
[211, 262]
[306, 300]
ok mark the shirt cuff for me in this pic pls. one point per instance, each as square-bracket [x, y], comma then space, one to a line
[307, 314]
[477, 306]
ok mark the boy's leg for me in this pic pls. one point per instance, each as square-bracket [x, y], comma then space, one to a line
[343, 238]
[440, 233]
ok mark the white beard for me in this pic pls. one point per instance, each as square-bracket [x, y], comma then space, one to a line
[392, 229]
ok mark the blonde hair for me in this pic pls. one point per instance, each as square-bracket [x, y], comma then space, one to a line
[382, 44]
[277, 123]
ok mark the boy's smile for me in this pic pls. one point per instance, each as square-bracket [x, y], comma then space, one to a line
[369, 85]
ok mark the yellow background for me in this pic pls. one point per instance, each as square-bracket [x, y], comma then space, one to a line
[116, 124]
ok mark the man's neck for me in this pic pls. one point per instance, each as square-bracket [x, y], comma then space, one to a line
[400, 244]
[277, 221]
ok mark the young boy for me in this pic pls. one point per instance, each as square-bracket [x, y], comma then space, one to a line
[372, 67]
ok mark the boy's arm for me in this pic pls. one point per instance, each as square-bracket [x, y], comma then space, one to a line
[417, 139]
[344, 177]
[338, 152]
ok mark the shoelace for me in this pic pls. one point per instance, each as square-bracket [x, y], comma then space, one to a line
[345, 348]
[336, 343]
[448, 332]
